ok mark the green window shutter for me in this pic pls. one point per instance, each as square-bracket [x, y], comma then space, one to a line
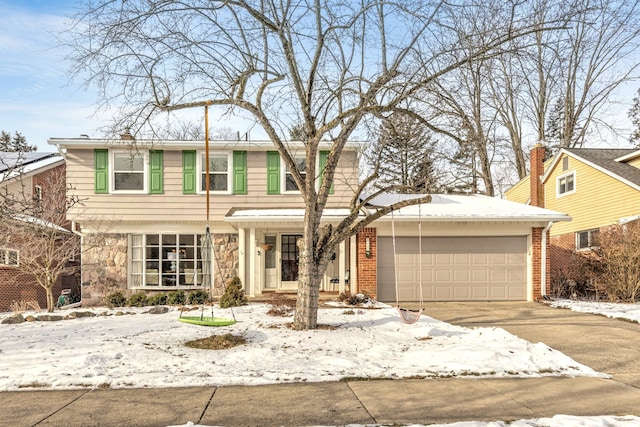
[273, 172]
[324, 155]
[101, 170]
[156, 184]
[189, 172]
[239, 172]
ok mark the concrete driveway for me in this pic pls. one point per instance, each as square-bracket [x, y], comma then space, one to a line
[606, 345]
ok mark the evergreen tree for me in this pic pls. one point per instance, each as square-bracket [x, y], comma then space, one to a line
[634, 115]
[15, 143]
[404, 151]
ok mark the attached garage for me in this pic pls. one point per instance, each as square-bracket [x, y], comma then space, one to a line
[478, 268]
[473, 248]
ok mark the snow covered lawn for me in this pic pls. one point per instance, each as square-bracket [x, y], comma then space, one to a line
[146, 350]
[615, 310]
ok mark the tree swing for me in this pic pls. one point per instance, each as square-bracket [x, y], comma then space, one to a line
[208, 269]
[408, 316]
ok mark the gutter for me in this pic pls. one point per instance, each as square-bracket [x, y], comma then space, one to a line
[543, 261]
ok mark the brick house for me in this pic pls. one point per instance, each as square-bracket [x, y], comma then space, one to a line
[25, 178]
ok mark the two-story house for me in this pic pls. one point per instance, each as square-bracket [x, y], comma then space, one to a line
[26, 181]
[596, 187]
[147, 202]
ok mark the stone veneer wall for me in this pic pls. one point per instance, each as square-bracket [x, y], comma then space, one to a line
[105, 263]
[104, 267]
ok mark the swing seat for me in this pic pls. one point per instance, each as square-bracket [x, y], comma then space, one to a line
[409, 316]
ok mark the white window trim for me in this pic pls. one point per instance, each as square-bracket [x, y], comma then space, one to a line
[201, 170]
[4, 263]
[590, 232]
[566, 193]
[112, 172]
[283, 175]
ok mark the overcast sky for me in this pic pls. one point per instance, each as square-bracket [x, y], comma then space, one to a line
[37, 99]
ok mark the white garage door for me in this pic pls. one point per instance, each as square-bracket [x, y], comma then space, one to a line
[454, 268]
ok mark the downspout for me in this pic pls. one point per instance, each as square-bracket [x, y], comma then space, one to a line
[543, 261]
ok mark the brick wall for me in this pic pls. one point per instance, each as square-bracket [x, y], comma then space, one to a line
[16, 287]
[536, 243]
[367, 267]
[536, 171]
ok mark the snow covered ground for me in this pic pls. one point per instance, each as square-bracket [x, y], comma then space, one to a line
[146, 350]
[616, 310]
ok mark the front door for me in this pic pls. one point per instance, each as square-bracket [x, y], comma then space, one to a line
[289, 255]
[270, 264]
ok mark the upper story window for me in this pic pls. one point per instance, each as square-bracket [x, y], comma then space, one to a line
[587, 239]
[9, 257]
[566, 184]
[219, 172]
[128, 172]
[289, 183]
[37, 194]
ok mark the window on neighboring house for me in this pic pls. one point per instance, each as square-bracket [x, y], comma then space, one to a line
[37, 194]
[128, 172]
[587, 239]
[566, 184]
[219, 172]
[9, 257]
[165, 260]
[289, 182]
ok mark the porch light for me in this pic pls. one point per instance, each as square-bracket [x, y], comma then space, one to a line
[367, 248]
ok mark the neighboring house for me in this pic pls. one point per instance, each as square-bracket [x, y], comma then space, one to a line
[596, 187]
[147, 201]
[25, 177]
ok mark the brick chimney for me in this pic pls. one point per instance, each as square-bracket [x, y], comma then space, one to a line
[536, 191]
[126, 136]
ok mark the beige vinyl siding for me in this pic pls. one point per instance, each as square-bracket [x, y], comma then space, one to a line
[519, 192]
[599, 199]
[635, 162]
[173, 205]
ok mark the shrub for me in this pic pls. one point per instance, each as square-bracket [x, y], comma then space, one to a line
[176, 297]
[233, 295]
[198, 297]
[158, 299]
[138, 300]
[572, 274]
[618, 269]
[353, 299]
[116, 299]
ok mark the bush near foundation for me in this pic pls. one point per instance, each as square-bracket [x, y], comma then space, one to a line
[198, 297]
[116, 299]
[233, 295]
[138, 299]
[176, 297]
[158, 299]
[617, 270]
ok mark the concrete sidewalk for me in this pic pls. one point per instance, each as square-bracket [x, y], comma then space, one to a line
[604, 344]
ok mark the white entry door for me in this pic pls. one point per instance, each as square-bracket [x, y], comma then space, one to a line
[270, 262]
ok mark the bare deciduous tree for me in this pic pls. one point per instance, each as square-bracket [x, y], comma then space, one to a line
[324, 65]
[36, 225]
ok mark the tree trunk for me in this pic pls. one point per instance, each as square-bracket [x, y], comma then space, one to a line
[306, 316]
[50, 301]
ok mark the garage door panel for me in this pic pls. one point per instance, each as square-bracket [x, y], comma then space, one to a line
[456, 268]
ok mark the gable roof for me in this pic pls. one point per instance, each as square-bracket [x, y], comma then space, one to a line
[10, 160]
[13, 164]
[606, 160]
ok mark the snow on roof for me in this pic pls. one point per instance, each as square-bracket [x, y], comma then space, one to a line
[473, 207]
[14, 164]
[443, 207]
